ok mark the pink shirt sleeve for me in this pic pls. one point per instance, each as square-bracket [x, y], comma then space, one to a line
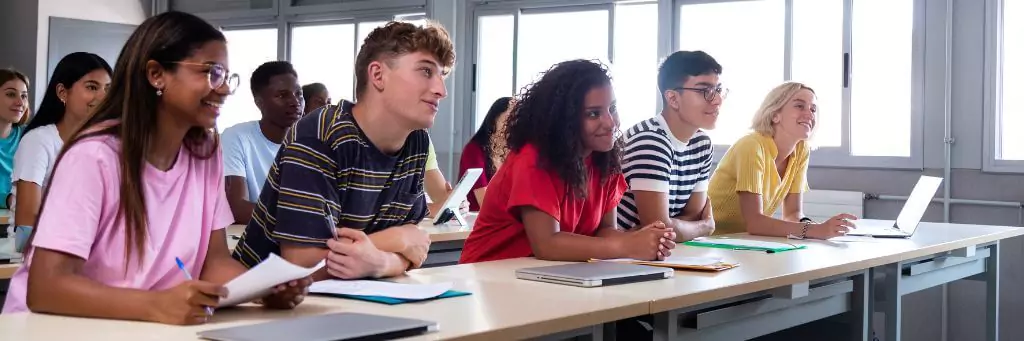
[222, 216]
[70, 219]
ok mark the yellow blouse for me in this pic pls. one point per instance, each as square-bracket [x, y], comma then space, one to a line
[749, 166]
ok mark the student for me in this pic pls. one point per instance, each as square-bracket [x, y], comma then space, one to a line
[250, 147]
[768, 168]
[139, 186]
[79, 83]
[13, 116]
[357, 170]
[486, 150]
[667, 162]
[315, 95]
[555, 195]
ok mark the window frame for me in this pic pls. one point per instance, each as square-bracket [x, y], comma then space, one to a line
[992, 92]
[841, 156]
[516, 9]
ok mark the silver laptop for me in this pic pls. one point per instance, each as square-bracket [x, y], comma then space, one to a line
[594, 274]
[910, 216]
[339, 326]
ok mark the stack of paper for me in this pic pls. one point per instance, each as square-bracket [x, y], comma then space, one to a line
[680, 262]
[380, 288]
[258, 281]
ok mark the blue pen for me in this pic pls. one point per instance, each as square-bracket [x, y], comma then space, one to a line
[181, 265]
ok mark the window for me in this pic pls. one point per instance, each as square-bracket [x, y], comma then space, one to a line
[1010, 145]
[325, 54]
[494, 62]
[817, 61]
[630, 51]
[635, 62]
[747, 38]
[860, 57]
[247, 51]
[881, 77]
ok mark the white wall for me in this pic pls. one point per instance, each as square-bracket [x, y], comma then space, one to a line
[113, 11]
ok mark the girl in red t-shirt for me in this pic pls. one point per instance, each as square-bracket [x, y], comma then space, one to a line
[486, 149]
[554, 196]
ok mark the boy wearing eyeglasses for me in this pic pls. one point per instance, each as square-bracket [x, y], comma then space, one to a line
[250, 147]
[667, 159]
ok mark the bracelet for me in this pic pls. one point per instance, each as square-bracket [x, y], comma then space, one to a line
[803, 232]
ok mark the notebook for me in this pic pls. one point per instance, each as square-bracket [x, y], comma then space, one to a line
[339, 326]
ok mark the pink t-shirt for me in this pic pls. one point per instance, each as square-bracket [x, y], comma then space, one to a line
[185, 205]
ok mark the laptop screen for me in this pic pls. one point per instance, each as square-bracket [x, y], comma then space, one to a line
[917, 203]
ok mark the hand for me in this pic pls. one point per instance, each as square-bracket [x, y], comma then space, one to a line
[354, 256]
[186, 303]
[418, 244]
[836, 226]
[651, 242]
[288, 295]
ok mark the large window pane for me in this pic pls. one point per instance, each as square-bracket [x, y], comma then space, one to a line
[635, 69]
[247, 50]
[548, 38]
[881, 77]
[747, 38]
[325, 54]
[494, 62]
[817, 61]
[1011, 144]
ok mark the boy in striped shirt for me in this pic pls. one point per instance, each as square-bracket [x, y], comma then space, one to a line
[347, 184]
[667, 159]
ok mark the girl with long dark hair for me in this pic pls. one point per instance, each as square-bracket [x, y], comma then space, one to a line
[486, 149]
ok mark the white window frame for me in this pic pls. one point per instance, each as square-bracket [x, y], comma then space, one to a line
[842, 156]
[992, 92]
[479, 9]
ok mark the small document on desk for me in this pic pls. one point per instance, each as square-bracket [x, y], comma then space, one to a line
[380, 288]
[258, 281]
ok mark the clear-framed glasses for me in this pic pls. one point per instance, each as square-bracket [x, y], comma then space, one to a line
[709, 93]
[218, 76]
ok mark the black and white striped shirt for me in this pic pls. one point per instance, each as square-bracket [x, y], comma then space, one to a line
[656, 161]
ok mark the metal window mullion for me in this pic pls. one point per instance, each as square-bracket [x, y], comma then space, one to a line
[787, 54]
[847, 110]
[611, 34]
[515, 50]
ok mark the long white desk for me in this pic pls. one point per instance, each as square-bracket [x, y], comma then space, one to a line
[768, 292]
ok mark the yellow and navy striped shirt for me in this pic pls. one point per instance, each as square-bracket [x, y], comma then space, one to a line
[328, 174]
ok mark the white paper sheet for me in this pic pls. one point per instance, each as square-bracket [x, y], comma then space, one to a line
[380, 288]
[744, 243]
[676, 260]
[854, 239]
[258, 281]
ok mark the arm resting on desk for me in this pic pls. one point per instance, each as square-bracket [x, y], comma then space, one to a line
[238, 199]
[407, 241]
[763, 225]
[550, 243]
[695, 221]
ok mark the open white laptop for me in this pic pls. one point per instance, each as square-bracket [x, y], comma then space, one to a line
[450, 209]
[910, 216]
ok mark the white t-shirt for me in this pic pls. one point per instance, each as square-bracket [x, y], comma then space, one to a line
[249, 154]
[35, 156]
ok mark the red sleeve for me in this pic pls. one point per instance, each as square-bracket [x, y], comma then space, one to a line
[532, 186]
[473, 157]
[614, 188]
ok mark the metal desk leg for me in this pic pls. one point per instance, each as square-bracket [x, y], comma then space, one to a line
[893, 304]
[666, 325]
[860, 307]
[992, 293]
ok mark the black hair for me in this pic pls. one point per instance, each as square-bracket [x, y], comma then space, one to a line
[312, 89]
[487, 129]
[261, 77]
[549, 115]
[69, 70]
[679, 66]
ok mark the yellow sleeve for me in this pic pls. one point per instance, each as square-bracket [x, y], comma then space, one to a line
[750, 166]
[800, 177]
[431, 157]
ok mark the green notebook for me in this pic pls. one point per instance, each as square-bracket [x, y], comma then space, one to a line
[744, 244]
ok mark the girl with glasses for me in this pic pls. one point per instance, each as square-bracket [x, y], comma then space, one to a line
[139, 188]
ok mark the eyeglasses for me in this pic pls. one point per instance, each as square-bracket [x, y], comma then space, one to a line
[218, 76]
[709, 93]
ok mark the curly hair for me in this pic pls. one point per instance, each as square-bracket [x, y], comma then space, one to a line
[549, 115]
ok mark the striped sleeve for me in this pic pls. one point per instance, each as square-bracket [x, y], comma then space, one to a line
[705, 170]
[648, 162]
[307, 185]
